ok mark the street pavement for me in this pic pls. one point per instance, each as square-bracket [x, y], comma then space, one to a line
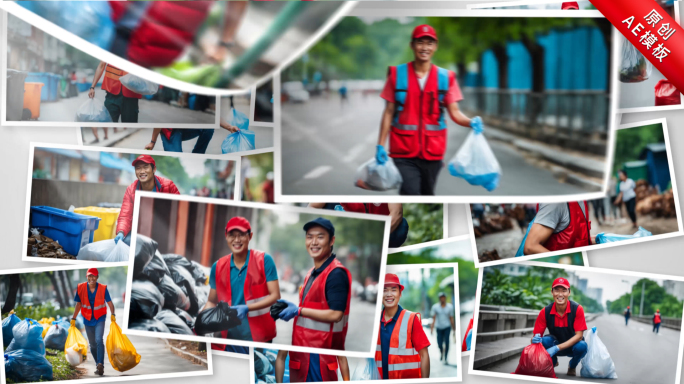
[324, 142]
[64, 110]
[440, 368]
[359, 333]
[156, 357]
[639, 355]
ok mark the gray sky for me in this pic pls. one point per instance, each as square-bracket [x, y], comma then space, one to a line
[612, 285]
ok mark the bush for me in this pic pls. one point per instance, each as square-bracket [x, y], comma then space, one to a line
[39, 311]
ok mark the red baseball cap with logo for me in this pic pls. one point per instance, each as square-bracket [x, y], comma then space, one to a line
[92, 271]
[145, 159]
[392, 279]
[239, 223]
[561, 282]
[424, 30]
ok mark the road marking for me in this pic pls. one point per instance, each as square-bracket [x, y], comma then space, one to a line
[318, 172]
[354, 152]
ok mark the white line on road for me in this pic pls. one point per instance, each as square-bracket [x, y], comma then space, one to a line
[318, 172]
[354, 152]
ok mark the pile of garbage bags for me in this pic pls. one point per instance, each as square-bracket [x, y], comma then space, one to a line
[105, 250]
[264, 366]
[25, 353]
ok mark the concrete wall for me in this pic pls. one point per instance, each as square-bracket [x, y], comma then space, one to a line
[61, 194]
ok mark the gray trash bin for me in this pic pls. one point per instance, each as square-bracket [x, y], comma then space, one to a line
[15, 94]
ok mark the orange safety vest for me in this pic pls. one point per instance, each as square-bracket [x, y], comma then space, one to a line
[403, 361]
[299, 367]
[261, 324]
[111, 82]
[92, 311]
[312, 333]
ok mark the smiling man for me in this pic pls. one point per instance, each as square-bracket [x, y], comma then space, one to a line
[417, 95]
[145, 167]
[402, 344]
[247, 280]
[323, 312]
[566, 324]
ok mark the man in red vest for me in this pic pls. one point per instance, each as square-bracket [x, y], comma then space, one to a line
[418, 94]
[247, 280]
[119, 101]
[90, 299]
[656, 321]
[402, 344]
[323, 312]
[559, 226]
[145, 167]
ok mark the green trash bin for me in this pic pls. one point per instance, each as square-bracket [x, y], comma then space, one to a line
[636, 170]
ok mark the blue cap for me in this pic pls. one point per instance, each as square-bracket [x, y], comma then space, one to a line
[321, 222]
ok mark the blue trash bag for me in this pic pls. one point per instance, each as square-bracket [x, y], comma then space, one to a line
[597, 363]
[56, 336]
[25, 365]
[365, 371]
[238, 142]
[240, 120]
[7, 324]
[93, 111]
[469, 339]
[603, 238]
[89, 20]
[262, 366]
[28, 334]
[521, 248]
[378, 177]
[475, 163]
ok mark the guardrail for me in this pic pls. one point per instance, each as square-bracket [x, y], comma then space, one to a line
[667, 322]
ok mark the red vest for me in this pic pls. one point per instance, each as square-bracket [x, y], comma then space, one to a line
[92, 311]
[261, 324]
[377, 209]
[656, 318]
[576, 234]
[299, 367]
[311, 333]
[403, 361]
[111, 82]
[418, 128]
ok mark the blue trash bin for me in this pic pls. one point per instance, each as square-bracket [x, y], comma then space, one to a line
[54, 86]
[72, 230]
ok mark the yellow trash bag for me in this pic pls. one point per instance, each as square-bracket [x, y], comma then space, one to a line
[46, 323]
[76, 347]
[122, 353]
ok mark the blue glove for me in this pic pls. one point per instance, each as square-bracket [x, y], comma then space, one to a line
[381, 155]
[119, 237]
[476, 124]
[241, 310]
[593, 329]
[290, 312]
[553, 350]
[536, 339]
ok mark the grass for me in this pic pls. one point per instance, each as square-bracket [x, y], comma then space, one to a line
[61, 370]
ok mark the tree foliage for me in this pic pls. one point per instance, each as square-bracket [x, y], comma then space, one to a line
[629, 143]
[425, 222]
[655, 297]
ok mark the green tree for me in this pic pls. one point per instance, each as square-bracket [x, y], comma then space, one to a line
[629, 143]
[655, 297]
[425, 222]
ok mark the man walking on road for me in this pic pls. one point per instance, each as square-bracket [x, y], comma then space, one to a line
[566, 324]
[656, 321]
[418, 94]
[628, 314]
[402, 344]
[321, 319]
[173, 138]
[247, 280]
[443, 318]
[119, 101]
[558, 226]
[145, 167]
[90, 300]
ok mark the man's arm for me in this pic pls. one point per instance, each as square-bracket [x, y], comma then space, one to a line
[280, 366]
[424, 363]
[573, 340]
[396, 213]
[273, 296]
[153, 141]
[434, 320]
[228, 127]
[96, 78]
[324, 315]
[457, 116]
[538, 235]
[111, 307]
[212, 300]
[386, 123]
[344, 367]
[453, 327]
[317, 205]
[77, 309]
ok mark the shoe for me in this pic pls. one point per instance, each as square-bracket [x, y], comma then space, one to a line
[572, 371]
[100, 369]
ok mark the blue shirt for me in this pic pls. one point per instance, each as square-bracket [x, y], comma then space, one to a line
[237, 294]
[91, 300]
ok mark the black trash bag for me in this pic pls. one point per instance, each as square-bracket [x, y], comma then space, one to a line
[155, 270]
[198, 273]
[217, 319]
[202, 293]
[172, 258]
[185, 281]
[276, 308]
[56, 337]
[174, 297]
[189, 320]
[145, 248]
[146, 300]
[151, 325]
[173, 322]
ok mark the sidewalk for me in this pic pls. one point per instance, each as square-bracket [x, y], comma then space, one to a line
[114, 135]
[439, 368]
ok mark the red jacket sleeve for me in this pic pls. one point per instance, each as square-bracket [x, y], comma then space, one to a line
[580, 320]
[388, 90]
[418, 337]
[540, 324]
[125, 221]
[454, 94]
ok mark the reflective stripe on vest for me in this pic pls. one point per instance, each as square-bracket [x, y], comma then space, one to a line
[402, 366]
[339, 326]
[406, 127]
[308, 323]
[432, 127]
[402, 362]
[403, 339]
[258, 312]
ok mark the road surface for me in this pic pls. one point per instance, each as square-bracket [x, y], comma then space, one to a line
[439, 368]
[640, 356]
[324, 143]
[64, 110]
[156, 357]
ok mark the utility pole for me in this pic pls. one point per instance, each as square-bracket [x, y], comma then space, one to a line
[641, 307]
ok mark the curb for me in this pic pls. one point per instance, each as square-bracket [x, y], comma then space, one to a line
[181, 353]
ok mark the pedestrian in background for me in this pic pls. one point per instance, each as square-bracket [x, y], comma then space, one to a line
[628, 314]
[443, 319]
[656, 321]
[627, 196]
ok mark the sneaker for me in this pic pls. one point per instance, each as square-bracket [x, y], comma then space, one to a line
[572, 372]
[100, 369]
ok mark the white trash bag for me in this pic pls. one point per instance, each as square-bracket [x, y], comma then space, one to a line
[92, 111]
[597, 363]
[105, 250]
[368, 370]
[139, 85]
[73, 357]
[377, 177]
[475, 163]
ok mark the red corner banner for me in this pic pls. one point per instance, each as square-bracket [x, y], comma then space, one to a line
[652, 31]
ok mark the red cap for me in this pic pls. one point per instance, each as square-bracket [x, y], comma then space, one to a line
[424, 30]
[145, 159]
[239, 223]
[392, 279]
[92, 271]
[563, 282]
[569, 5]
